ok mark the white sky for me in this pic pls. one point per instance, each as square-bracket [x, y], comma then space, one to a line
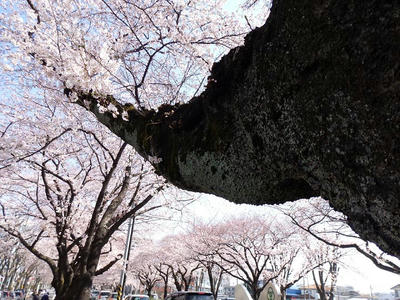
[358, 272]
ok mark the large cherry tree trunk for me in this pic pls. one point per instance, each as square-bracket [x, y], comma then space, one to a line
[309, 106]
[73, 280]
[78, 289]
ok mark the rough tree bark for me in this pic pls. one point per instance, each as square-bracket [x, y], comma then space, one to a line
[309, 106]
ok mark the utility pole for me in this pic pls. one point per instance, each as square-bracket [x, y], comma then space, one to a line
[371, 292]
[128, 244]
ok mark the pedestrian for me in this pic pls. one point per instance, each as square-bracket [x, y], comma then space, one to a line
[45, 296]
[35, 296]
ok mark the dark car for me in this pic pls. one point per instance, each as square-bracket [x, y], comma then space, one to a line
[19, 295]
[190, 295]
[94, 294]
[104, 295]
[7, 295]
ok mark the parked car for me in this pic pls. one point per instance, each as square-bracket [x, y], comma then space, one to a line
[6, 295]
[113, 296]
[136, 297]
[104, 295]
[190, 295]
[19, 295]
[94, 294]
[154, 296]
[52, 293]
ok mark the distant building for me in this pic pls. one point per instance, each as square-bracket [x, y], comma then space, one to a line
[310, 291]
[346, 292]
[297, 294]
[396, 289]
[383, 296]
[229, 291]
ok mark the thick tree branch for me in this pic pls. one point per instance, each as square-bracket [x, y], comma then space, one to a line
[30, 247]
[387, 265]
[107, 266]
[307, 107]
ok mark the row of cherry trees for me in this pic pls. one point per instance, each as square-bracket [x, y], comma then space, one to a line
[67, 188]
[252, 249]
[18, 268]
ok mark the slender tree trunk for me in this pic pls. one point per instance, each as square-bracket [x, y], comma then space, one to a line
[148, 290]
[283, 293]
[320, 286]
[187, 286]
[19, 279]
[221, 273]
[187, 282]
[36, 284]
[165, 287]
[255, 293]
[3, 264]
[11, 280]
[212, 285]
[178, 285]
[199, 282]
[214, 282]
[7, 269]
[27, 276]
[25, 280]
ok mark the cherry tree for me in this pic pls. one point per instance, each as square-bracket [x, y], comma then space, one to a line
[102, 53]
[168, 261]
[145, 52]
[179, 260]
[163, 269]
[293, 261]
[64, 201]
[18, 266]
[247, 246]
[143, 267]
[203, 240]
[303, 255]
[254, 249]
[327, 258]
[8, 255]
[319, 219]
[183, 258]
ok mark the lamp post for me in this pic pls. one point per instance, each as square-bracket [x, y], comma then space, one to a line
[128, 244]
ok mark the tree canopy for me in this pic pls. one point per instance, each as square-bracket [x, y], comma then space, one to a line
[308, 106]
